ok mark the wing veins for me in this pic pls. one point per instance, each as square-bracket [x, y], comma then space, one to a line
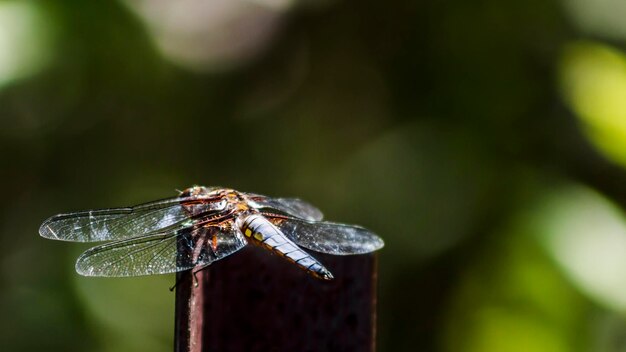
[121, 223]
[328, 237]
[135, 251]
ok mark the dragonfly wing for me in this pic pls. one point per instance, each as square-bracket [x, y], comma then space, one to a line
[328, 237]
[119, 223]
[289, 206]
[161, 253]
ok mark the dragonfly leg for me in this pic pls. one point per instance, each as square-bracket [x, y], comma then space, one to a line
[195, 272]
[178, 279]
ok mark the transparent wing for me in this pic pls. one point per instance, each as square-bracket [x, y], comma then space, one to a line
[328, 237]
[161, 253]
[118, 223]
[288, 206]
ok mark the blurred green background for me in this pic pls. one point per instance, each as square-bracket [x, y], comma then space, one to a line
[485, 141]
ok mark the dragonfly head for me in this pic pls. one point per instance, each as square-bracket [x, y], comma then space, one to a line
[216, 198]
[201, 191]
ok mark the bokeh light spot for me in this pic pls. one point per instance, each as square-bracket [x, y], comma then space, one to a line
[586, 235]
[24, 40]
[513, 297]
[499, 329]
[602, 17]
[210, 35]
[593, 80]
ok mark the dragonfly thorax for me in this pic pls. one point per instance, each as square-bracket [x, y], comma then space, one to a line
[206, 202]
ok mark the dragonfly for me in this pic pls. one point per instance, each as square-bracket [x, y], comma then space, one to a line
[203, 225]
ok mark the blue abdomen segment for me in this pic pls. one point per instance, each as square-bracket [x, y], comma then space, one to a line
[261, 231]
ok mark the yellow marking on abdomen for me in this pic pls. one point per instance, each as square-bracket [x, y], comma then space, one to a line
[248, 232]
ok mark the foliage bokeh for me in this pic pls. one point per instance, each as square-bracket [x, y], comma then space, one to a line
[484, 141]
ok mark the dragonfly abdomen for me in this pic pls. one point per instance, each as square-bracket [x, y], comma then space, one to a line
[261, 231]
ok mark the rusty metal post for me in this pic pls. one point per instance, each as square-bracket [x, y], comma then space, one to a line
[253, 301]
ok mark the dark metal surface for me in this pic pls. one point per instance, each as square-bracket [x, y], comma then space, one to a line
[253, 301]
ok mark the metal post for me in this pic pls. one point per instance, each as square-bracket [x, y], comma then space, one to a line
[253, 301]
